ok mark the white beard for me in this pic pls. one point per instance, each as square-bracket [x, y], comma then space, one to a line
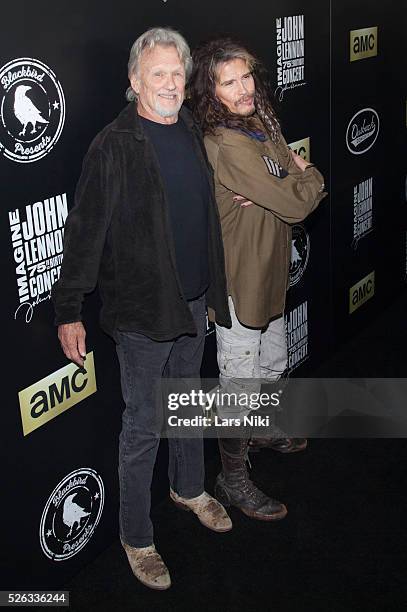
[165, 112]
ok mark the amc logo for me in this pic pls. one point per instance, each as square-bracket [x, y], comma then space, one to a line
[302, 147]
[363, 43]
[361, 292]
[49, 397]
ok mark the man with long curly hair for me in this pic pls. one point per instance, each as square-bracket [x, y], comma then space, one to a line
[262, 187]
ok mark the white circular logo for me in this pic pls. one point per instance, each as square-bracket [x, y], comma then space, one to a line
[32, 110]
[71, 514]
[362, 131]
[300, 247]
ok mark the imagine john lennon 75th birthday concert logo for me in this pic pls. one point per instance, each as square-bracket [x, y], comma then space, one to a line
[290, 40]
[32, 110]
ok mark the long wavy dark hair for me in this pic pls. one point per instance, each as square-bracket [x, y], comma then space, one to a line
[208, 110]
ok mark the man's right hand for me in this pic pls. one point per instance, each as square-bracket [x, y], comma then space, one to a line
[72, 339]
[300, 162]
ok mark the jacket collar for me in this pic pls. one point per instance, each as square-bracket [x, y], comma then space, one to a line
[128, 121]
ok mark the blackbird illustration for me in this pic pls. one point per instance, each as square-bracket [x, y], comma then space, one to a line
[295, 256]
[72, 513]
[25, 111]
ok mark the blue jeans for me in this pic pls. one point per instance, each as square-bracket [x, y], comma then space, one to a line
[143, 361]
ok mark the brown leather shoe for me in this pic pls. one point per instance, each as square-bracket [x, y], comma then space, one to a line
[148, 566]
[208, 510]
[282, 445]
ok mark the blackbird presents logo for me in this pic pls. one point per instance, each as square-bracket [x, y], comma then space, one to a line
[32, 110]
[71, 514]
[300, 249]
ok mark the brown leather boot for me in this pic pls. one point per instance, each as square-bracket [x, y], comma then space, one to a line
[234, 488]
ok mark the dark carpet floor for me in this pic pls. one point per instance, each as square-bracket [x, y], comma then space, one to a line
[342, 547]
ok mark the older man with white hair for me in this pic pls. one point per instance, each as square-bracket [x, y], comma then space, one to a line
[145, 197]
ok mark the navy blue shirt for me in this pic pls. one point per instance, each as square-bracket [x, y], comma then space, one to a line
[187, 192]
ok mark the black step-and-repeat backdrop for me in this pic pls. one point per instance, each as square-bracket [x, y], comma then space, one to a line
[368, 159]
[339, 73]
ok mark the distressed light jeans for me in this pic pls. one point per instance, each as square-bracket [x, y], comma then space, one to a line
[258, 355]
[143, 361]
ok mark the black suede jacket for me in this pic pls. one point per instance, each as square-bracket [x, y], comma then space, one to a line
[118, 235]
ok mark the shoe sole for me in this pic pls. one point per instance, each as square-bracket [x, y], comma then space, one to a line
[151, 586]
[278, 516]
[182, 506]
[265, 517]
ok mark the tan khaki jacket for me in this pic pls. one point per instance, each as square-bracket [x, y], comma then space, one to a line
[257, 238]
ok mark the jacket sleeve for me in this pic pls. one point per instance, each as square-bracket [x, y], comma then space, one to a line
[245, 171]
[84, 238]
